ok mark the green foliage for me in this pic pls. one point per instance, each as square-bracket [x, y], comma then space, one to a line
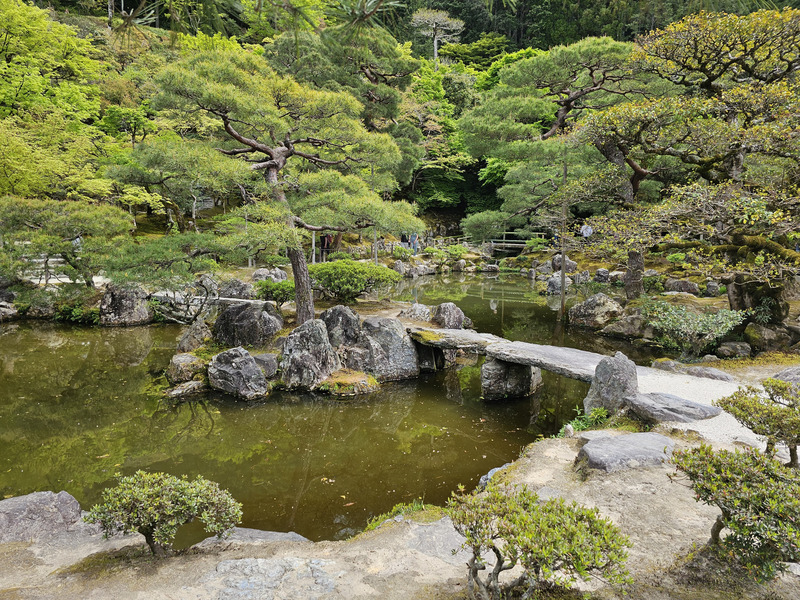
[401, 253]
[80, 234]
[595, 417]
[456, 251]
[763, 313]
[773, 412]
[279, 292]
[676, 257]
[759, 500]
[535, 244]
[403, 509]
[77, 304]
[157, 504]
[687, 330]
[484, 225]
[437, 255]
[554, 543]
[345, 280]
[480, 54]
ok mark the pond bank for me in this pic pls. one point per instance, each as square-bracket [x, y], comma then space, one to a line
[405, 559]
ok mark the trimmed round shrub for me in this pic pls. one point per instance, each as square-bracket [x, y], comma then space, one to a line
[157, 504]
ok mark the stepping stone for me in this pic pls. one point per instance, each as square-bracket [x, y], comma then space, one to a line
[626, 451]
[659, 407]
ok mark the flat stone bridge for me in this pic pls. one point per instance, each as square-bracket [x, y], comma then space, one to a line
[569, 362]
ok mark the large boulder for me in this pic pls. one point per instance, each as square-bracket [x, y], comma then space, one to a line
[122, 307]
[673, 366]
[417, 312]
[399, 266]
[630, 326]
[763, 338]
[790, 374]
[268, 363]
[448, 316]
[626, 451]
[501, 379]
[251, 324]
[601, 276]
[392, 353]
[8, 311]
[460, 265]
[681, 285]
[595, 312]
[733, 350]
[343, 325]
[746, 294]
[236, 288]
[195, 336]
[554, 284]
[39, 515]
[570, 266]
[183, 367]
[308, 357]
[274, 274]
[614, 380]
[660, 407]
[236, 372]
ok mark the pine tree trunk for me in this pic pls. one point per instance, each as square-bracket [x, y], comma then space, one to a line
[303, 295]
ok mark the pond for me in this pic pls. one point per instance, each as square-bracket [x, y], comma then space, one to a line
[78, 405]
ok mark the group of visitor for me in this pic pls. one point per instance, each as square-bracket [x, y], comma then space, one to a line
[410, 241]
[325, 245]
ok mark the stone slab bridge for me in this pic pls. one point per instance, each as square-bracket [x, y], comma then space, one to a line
[513, 368]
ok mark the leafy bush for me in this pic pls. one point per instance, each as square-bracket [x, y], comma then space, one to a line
[676, 257]
[156, 504]
[653, 284]
[763, 313]
[437, 255]
[402, 509]
[536, 244]
[689, 331]
[344, 280]
[759, 500]
[554, 542]
[596, 416]
[279, 292]
[401, 253]
[773, 413]
[456, 251]
[333, 256]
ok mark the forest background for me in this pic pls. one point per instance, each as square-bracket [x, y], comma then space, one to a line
[665, 125]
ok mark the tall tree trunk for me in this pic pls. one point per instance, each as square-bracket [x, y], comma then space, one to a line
[303, 294]
[110, 13]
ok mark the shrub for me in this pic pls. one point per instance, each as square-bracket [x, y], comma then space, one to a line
[759, 500]
[437, 255]
[536, 244]
[333, 256]
[677, 257]
[279, 292]
[456, 251]
[596, 416]
[554, 542]
[690, 332]
[773, 413]
[344, 280]
[401, 253]
[156, 504]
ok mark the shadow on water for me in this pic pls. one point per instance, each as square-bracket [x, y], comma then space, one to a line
[78, 405]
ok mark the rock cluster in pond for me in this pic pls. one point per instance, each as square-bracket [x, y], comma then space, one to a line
[183, 367]
[236, 372]
[247, 324]
[123, 307]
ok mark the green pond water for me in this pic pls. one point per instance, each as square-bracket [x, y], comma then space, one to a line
[78, 405]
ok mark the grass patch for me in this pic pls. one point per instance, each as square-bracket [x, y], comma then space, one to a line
[765, 359]
[416, 510]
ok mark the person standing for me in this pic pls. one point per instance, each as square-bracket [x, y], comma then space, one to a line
[323, 247]
[404, 240]
[414, 239]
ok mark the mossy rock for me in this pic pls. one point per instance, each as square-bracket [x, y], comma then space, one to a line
[346, 382]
